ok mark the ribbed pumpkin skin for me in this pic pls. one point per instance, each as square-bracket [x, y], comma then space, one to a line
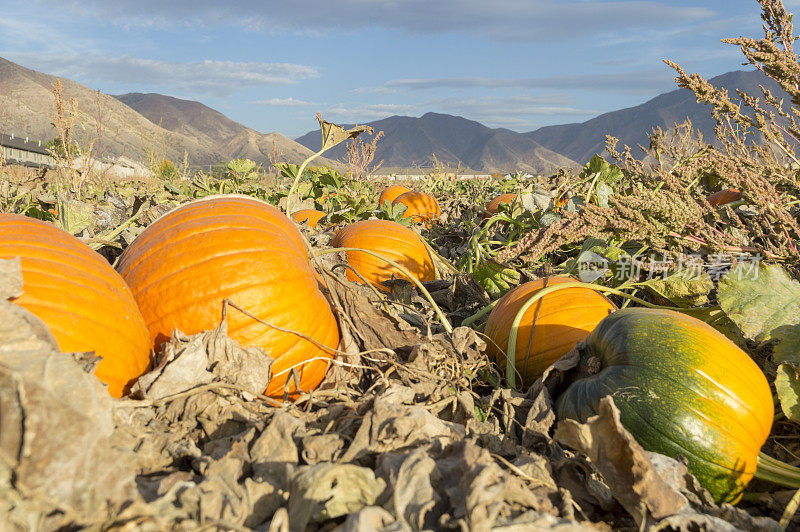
[182, 267]
[421, 207]
[311, 216]
[389, 239]
[493, 206]
[244, 205]
[390, 193]
[723, 197]
[682, 388]
[79, 296]
[549, 329]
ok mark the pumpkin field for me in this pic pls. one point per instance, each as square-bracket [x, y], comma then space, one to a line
[610, 349]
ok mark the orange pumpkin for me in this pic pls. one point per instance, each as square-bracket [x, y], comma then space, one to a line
[493, 207]
[390, 193]
[723, 197]
[78, 295]
[420, 207]
[310, 216]
[185, 264]
[549, 329]
[389, 239]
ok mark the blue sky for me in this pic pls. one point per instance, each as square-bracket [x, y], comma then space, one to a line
[273, 64]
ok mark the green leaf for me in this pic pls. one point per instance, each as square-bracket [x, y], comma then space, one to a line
[603, 191]
[288, 169]
[548, 218]
[609, 173]
[574, 204]
[538, 200]
[765, 304]
[787, 384]
[241, 166]
[76, 216]
[683, 288]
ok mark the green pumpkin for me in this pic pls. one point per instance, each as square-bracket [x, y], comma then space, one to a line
[682, 388]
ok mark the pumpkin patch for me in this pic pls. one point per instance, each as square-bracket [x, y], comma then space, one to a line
[615, 349]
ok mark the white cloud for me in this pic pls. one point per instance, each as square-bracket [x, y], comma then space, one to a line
[284, 102]
[638, 82]
[367, 112]
[524, 20]
[217, 78]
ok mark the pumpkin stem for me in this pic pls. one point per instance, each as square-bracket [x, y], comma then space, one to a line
[478, 315]
[593, 365]
[777, 472]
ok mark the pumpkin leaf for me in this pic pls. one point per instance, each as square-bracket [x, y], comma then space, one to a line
[765, 304]
[548, 218]
[327, 491]
[787, 384]
[55, 441]
[683, 288]
[609, 173]
[537, 200]
[76, 216]
[333, 134]
[603, 192]
[574, 204]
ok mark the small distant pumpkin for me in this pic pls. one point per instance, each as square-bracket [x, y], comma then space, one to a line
[182, 267]
[420, 207]
[390, 193]
[78, 295]
[388, 239]
[310, 216]
[723, 197]
[549, 329]
[493, 207]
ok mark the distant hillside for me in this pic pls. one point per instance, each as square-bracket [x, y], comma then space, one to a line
[215, 131]
[410, 141]
[580, 141]
[130, 122]
[183, 116]
[26, 109]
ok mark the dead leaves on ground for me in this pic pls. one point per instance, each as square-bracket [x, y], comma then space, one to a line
[404, 439]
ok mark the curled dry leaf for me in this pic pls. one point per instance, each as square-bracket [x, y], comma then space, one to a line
[623, 463]
[327, 491]
[55, 454]
[187, 362]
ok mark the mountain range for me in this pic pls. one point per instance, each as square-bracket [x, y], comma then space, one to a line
[136, 124]
[410, 142]
[580, 141]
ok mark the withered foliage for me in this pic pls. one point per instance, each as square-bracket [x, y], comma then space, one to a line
[662, 203]
[403, 438]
